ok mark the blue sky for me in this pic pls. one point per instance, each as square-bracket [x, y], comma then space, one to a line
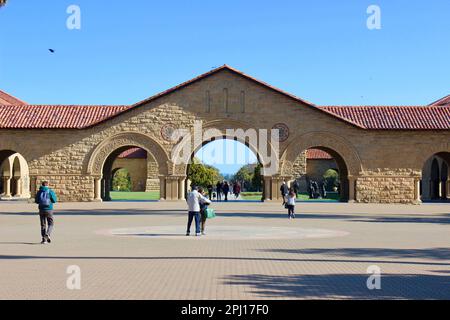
[226, 155]
[320, 50]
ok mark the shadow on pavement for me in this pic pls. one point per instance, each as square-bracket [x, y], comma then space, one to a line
[339, 286]
[433, 253]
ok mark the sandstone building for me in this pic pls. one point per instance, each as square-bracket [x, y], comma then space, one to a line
[385, 154]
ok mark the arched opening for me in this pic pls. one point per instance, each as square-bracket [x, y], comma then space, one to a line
[321, 174]
[130, 173]
[14, 176]
[434, 185]
[227, 170]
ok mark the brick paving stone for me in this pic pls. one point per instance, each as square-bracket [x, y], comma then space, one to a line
[249, 252]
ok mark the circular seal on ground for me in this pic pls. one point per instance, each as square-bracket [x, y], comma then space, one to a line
[169, 133]
[224, 232]
[283, 131]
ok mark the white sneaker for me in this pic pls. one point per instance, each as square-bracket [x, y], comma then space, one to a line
[203, 234]
[198, 234]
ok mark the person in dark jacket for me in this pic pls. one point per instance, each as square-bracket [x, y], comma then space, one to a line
[226, 190]
[284, 189]
[219, 190]
[45, 198]
[296, 187]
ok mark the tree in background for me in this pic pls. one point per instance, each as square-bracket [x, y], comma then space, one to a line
[245, 177]
[202, 175]
[331, 179]
[257, 178]
[122, 180]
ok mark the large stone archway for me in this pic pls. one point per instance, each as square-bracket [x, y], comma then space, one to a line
[14, 175]
[342, 150]
[240, 131]
[99, 158]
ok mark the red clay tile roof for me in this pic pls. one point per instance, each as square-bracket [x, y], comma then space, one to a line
[134, 153]
[370, 117]
[7, 99]
[54, 117]
[317, 154]
[445, 101]
[394, 117]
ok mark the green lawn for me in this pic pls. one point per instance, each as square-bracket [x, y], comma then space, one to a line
[142, 196]
[134, 196]
[301, 197]
[251, 196]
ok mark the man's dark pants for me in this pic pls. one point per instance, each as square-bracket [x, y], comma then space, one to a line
[46, 218]
[196, 216]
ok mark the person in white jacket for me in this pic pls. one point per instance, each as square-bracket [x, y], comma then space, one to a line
[193, 200]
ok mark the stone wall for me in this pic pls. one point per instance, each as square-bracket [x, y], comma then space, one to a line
[67, 187]
[388, 186]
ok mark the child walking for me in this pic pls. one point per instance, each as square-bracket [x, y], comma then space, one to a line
[290, 203]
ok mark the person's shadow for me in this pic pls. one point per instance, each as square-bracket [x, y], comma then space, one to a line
[22, 243]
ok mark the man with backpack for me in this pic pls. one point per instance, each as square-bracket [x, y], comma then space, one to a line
[45, 198]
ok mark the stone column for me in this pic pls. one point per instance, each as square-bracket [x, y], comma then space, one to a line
[108, 189]
[417, 191]
[181, 190]
[98, 189]
[267, 188]
[172, 188]
[162, 188]
[440, 190]
[275, 188]
[7, 187]
[18, 191]
[351, 189]
[448, 189]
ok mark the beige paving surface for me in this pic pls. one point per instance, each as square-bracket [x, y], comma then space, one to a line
[252, 251]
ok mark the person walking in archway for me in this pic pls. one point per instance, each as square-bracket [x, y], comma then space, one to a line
[210, 191]
[219, 190]
[226, 190]
[236, 189]
[45, 198]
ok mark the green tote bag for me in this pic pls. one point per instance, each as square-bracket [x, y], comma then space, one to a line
[210, 213]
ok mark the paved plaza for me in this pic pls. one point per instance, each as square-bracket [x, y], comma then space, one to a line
[138, 250]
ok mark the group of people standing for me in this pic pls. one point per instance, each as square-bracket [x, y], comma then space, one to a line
[223, 189]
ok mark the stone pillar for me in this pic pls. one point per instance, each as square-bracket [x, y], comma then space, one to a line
[275, 186]
[162, 188]
[417, 199]
[7, 187]
[98, 189]
[448, 189]
[172, 188]
[33, 186]
[181, 190]
[351, 189]
[18, 191]
[440, 190]
[267, 189]
[108, 189]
